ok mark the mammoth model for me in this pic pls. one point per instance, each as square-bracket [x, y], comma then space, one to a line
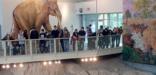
[34, 13]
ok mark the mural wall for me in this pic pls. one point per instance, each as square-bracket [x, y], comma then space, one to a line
[139, 31]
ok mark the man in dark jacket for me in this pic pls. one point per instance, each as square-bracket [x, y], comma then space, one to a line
[82, 34]
[55, 32]
[106, 37]
[34, 33]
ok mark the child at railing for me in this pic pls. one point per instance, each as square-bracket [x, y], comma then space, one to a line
[21, 42]
[43, 41]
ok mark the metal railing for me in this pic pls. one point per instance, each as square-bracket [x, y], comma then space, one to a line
[59, 45]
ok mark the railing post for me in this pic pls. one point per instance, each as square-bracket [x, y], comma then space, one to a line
[35, 49]
[76, 46]
[5, 48]
[10, 47]
[50, 41]
[96, 43]
[25, 47]
[30, 43]
[55, 46]
[110, 41]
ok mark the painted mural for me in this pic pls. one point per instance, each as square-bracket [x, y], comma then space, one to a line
[140, 31]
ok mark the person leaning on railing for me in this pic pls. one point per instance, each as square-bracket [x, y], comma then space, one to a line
[106, 34]
[55, 37]
[101, 39]
[34, 35]
[21, 39]
[75, 38]
[66, 36]
[82, 34]
[42, 44]
[90, 38]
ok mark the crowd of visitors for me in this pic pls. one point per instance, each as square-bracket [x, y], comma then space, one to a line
[44, 41]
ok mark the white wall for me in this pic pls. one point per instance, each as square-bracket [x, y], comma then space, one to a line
[8, 7]
[108, 6]
[103, 6]
[1, 14]
[87, 6]
[69, 17]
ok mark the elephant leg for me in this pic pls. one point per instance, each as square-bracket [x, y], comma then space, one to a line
[47, 25]
[23, 25]
[38, 23]
[15, 30]
[59, 16]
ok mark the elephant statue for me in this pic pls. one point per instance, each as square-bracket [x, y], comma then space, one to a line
[34, 13]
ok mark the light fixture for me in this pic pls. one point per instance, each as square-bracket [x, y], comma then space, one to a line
[94, 59]
[86, 59]
[82, 60]
[3, 66]
[59, 62]
[7, 66]
[14, 65]
[56, 62]
[44, 63]
[21, 65]
[90, 59]
[49, 62]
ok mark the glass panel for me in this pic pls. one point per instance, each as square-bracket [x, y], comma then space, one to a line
[99, 24]
[120, 19]
[113, 16]
[105, 16]
[100, 17]
[106, 23]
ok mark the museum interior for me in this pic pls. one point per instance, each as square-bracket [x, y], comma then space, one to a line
[77, 37]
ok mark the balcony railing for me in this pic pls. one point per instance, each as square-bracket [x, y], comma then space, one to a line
[58, 45]
[55, 46]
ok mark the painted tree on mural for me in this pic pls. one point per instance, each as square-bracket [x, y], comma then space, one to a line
[142, 6]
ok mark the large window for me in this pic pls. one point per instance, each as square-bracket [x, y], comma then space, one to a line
[110, 20]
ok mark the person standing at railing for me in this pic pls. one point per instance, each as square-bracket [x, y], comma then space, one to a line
[117, 39]
[89, 34]
[66, 36]
[119, 36]
[43, 41]
[55, 35]
[21, 39]
[82, 34]
[113, 37]
[25, 35]
[34, 35]
[101, 37]
[106, 37]
[74, 38]
[8, 44]
[61, 45]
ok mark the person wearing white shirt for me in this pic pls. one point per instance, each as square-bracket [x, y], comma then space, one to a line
[21, 39]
